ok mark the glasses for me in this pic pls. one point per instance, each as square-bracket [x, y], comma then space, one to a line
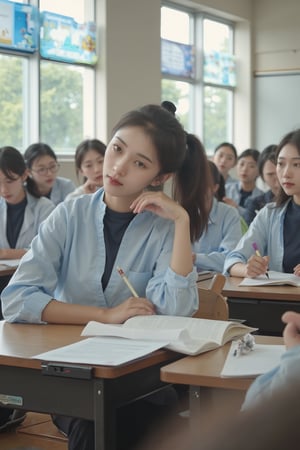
[44, 170]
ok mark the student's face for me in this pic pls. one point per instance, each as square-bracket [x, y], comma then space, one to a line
[44, 172]
[92, 167]
[130, 163]
[288, 171]
[270, 176]
[12, 190]
[247, 169]
[224, 159]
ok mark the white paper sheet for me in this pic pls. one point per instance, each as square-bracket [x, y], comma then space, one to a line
[9, 262]
[260, 360]
[101, 351]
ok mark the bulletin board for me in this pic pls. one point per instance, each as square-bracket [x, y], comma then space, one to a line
[277, 107]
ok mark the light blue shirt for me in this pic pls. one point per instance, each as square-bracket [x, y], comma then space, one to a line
[36, 210]
[233, 191]
[61, 188]
[266, 230]
[280, 377]
[67, 260]
[222, 235]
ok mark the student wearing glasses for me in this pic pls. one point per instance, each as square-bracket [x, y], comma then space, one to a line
[21, 212]
[42, 164]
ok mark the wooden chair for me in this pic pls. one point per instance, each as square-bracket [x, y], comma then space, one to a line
[212, 304]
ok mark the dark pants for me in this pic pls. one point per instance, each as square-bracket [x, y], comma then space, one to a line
[134, 422]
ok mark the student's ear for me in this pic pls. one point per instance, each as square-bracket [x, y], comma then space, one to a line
[25, 175]
[160, 179]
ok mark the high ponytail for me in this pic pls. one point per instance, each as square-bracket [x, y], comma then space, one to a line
[192, 186]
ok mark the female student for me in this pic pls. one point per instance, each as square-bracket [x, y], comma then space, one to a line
[275, 229]
[89, 158]
[225, 158]
[21, 212]
[267, 171]
[239, 192]
[21, 207]
[70, 274]
[43, 167]
[222, 234]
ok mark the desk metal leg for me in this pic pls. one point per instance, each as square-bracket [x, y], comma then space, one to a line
[105, 422]
[200, 399]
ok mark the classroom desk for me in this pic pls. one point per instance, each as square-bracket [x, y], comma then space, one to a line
[203, 371]
[260, 306]
[5, 270]
[23, 385]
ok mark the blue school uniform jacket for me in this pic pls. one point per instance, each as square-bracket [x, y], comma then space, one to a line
[233, 191]
[67, 259]
[266, 231]
[285, 374]
[61, 188]
[36, 210]
[223, 233]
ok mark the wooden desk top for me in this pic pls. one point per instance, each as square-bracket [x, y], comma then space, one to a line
[19, 342]
[233, 290]
[6, 270]
[205, 369]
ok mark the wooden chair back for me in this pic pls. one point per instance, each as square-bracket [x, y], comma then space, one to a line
[212, 304]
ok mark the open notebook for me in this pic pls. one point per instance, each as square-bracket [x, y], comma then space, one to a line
[275, 278]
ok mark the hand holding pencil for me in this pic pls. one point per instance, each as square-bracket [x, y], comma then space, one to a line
[258, 264]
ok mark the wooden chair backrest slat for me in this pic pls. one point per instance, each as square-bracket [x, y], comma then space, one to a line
[212, 304]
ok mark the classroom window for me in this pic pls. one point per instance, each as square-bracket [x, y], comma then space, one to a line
[204, 103]
[47, 100]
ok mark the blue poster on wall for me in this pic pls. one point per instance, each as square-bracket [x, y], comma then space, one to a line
[177, 59]
[63, 39]
[219, 68]
[18, 26]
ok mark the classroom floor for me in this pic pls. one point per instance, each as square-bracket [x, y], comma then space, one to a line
[37, 432]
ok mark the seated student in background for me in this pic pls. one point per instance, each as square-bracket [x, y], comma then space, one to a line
[70, 276]
[89, 158]
[43, 167]
[22, 209]
[21, 212]
[239, 192]
[225, 158]
[267, 171]
[275, 229]
[223, 231]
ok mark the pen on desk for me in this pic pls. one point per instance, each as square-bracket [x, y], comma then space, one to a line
[125, 279]
[255, 248]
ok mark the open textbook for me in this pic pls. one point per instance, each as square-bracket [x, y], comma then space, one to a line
[275, 278]
[186, 335]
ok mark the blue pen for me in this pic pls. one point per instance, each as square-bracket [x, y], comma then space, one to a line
[255, 248]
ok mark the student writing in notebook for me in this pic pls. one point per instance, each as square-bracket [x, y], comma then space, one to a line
[42, 164]
[275, 229]
[70, 274]
[89, 156]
